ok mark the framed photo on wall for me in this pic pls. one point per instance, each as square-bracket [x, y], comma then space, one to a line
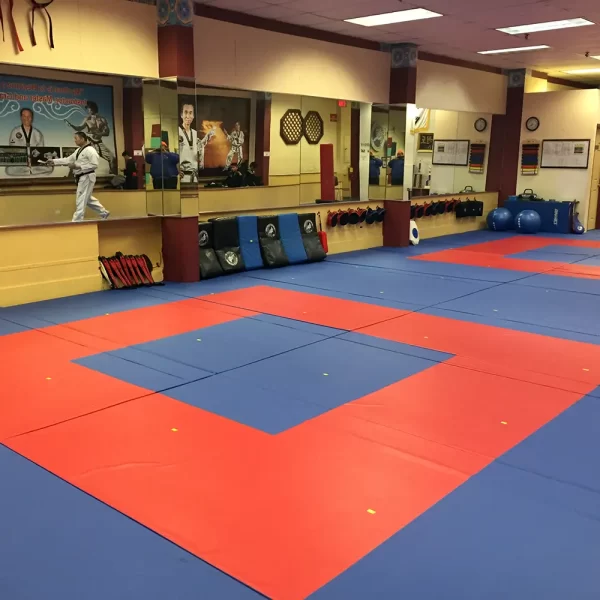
[451, 153]
[425, 142]
[565, 154]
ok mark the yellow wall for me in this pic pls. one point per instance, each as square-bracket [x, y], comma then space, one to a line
[573, 114]
[447, 224]
[107, 36]
[52, 261]
[266, 61]
[455, 88]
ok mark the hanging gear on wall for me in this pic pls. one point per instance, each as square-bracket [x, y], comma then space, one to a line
[39, 5]
[11, 23]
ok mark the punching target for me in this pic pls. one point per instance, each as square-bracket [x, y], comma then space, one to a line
[209, 263]
[414, 233]
[271, 247]
[226, 241]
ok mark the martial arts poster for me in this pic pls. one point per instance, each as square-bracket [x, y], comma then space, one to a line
[223, 125]
[38, 118]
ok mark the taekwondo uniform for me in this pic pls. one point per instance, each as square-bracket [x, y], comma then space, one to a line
[188, 155]
[19, 137]
[236, 138]
[84, 163]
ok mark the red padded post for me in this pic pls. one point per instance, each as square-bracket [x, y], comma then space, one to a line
[327, 175]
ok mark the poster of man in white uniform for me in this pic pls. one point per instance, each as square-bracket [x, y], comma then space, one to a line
[191, 146]
[35, 115]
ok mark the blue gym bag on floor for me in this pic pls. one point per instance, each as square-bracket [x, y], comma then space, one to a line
[249, 242]
[289, 229]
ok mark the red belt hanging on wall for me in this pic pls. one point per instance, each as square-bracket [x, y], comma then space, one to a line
[37, 5]
[11, 23]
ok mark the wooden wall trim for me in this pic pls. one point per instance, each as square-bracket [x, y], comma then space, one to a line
[455, 62]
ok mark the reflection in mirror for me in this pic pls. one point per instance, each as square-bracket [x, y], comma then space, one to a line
[450, 150]
[324, 149]
[41, 110]
[226, 130]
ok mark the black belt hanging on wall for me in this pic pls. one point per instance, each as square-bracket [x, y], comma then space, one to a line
[37, 5]
[11, 22]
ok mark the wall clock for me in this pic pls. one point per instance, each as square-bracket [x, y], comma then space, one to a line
[481, 125]
[532, 123]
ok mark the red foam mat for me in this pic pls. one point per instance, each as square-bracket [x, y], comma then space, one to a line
[310, 308]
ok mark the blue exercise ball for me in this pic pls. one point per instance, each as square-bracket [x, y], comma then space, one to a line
[528, 221]
[499, 219]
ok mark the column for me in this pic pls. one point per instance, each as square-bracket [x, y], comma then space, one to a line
[262, 146]
[175, 38]
[504, 155]
[403, 74]
[133, 120]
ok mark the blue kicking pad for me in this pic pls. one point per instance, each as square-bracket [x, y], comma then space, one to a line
[562, 310]
[249, 244]
[250, 405]
[399, 261]
[332, 372]
[229, 345]
[58, 542]
[143, 369]
[291, 238]
[416, 289]
[566, 448]
[503, 534]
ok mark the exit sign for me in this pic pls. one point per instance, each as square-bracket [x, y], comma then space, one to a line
[342, 103]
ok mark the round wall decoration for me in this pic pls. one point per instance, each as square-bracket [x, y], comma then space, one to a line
[314, 128]
[291, 126]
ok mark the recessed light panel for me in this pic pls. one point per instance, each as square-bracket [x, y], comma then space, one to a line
[535, 27]
[401, 16]
[507, 50]
[582, 71]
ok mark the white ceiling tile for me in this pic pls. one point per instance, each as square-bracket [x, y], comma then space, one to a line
[239, 5]
[279, 13]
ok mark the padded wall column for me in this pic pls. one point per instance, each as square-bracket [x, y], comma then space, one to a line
[396, 226]
[403, 74]
[175, 38]
[180, 249]
[133, 122]
[505, 142]
[262, 146]
[355, 151]
[327, 173]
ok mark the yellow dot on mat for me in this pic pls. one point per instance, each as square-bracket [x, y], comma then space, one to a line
[381, 292]
[48, 378]
[586, 369]
[326, 374]
[426, 337]
[174, 429]
[106, 315]
[503, 423]
[495, 310]
[370, 511]
[199, 340]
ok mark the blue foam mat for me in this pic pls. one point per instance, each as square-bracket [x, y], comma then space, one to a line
[59, 543]
[559, 282]
[331, 372]
[301, 325]
[229, 345]
[554, 308]
[291, 238]
[401, 261]
[545, 255]
[252, 405]
[416, 289]
[503, 534]
[565, 449]
[8, 327]
[249, 244]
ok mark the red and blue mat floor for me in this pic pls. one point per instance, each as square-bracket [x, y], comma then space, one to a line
[417, 423]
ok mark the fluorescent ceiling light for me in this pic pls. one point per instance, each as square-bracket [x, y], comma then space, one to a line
[582, 71]
[535, 27]
[400, 16]
[506, 50]
[596, 57]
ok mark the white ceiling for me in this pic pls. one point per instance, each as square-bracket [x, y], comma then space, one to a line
[467, 27]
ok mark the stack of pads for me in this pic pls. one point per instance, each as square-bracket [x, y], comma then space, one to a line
[125, 272]
[355, 216]
[234, 244]
[462, 209]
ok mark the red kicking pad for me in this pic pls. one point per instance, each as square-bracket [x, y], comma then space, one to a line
[310, 308]
[154, 322]
[284, 514]
[514, 349]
